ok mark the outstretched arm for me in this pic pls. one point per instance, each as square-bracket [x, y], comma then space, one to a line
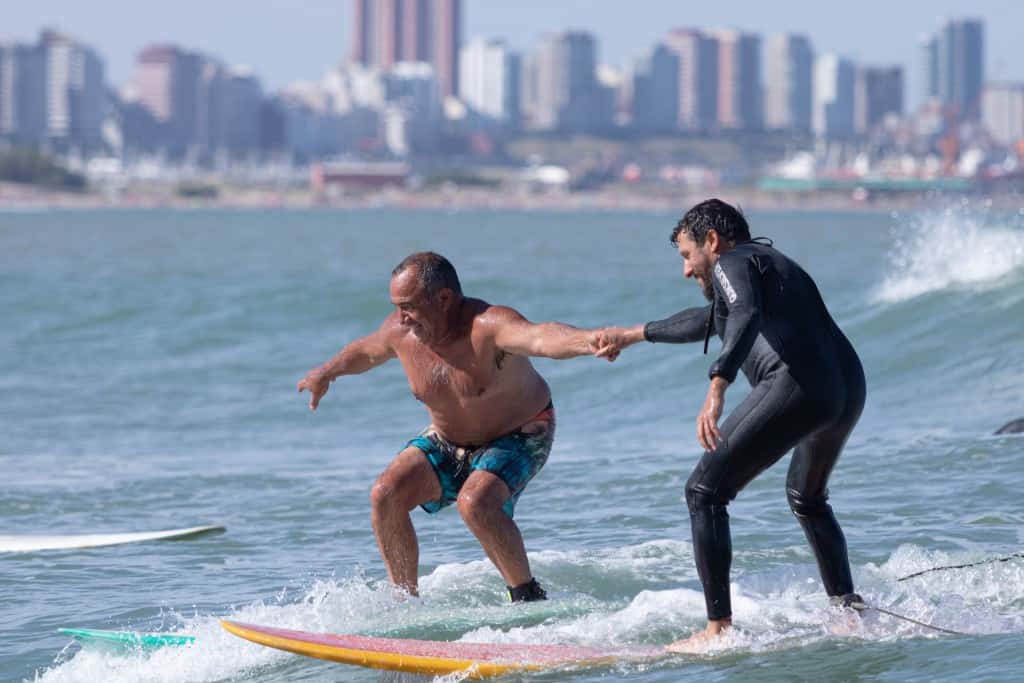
[515, 334]
[686, 326]
[689, 325]
[361, 355]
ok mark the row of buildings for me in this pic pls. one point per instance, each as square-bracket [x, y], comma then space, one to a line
[412, 86]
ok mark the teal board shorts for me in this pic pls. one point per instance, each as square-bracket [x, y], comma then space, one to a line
[514, 458]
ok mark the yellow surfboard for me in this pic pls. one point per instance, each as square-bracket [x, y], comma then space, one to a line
[436, 657]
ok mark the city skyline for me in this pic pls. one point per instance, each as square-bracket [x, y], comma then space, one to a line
[326, 36]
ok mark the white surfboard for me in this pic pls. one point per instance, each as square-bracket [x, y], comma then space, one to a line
[31, 544]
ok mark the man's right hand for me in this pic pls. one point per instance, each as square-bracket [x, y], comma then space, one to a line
[611, 340]
[317, 383]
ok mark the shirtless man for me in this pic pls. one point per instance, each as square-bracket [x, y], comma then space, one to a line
[491, 418]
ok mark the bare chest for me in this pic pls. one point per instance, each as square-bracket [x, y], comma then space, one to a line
[465, 374]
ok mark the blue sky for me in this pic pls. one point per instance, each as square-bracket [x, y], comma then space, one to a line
[287, 40]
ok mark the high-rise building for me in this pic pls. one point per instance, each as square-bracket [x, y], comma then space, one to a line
[22, 93]
[955, 67]
[698, 78]
[415, 31]
[76, 95]
[1002, 110]
[878, 91]
[655, 101]
[834, 86]
[788, 85]
[167, 84]
[8, 102]
[739, 80]
[386, 32]
[241, 103]
[562, 88]
[388, 26]
[362, 32]
[448, 40]
[486, 81]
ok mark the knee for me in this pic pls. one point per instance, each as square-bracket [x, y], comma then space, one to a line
[384, 494]
[477, 502]
[472, 505]
[699, 499]
[807, 505]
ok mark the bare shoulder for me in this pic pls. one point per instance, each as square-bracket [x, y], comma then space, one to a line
[494, 317]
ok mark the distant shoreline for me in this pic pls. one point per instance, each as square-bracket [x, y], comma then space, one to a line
[15, 197]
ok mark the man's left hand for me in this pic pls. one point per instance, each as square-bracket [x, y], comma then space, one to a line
[707, 420]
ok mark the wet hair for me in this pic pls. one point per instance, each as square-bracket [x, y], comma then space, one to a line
[434, 272]
[712, 214]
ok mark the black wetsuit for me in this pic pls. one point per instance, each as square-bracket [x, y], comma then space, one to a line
[808, 392]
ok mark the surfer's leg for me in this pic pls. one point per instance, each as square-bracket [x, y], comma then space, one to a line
[807, 492]
[487, 501]
[766, 424]
[481, 504]
[762, 428]
[408, 481]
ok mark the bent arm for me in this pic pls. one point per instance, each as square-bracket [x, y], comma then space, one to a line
[685, 326]
[515, 334]
[359, 356]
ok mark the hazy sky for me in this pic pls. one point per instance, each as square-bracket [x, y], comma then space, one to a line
[287, 40]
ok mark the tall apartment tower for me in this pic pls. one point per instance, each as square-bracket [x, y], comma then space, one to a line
[739, 80]
[488, 79]
[75, 90]
[561, 90]
[878, 92]
[955, 66]
[698, 78]
[385, 32]
[167, 80]
[834, 88]
[789, 77]
[22, 93]
[655, 97]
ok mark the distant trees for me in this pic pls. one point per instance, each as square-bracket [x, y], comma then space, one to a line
[30, 167]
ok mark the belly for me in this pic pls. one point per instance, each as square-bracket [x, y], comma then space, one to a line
[500, 410]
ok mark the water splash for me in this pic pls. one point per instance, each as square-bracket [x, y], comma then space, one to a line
[954, 248]
[459, 603]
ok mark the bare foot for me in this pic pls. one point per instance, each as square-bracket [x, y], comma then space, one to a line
[699, 642]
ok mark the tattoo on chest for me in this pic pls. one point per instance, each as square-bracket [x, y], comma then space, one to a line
[440, 374]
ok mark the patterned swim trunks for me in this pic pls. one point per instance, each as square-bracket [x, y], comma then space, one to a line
[514, 458]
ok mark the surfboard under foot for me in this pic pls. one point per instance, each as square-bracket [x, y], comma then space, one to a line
[31, 544]
[437, 658]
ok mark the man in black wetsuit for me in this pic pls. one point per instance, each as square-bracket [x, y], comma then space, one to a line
[808, 392]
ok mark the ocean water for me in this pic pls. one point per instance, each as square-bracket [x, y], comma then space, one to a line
[148, 363]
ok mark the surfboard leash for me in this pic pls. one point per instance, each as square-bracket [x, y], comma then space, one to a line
[865, 606]
[962, 566]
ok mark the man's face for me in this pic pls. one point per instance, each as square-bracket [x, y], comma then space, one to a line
[697, 262]
[417, 312]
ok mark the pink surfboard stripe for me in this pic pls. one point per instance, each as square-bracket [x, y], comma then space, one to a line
[479, 652]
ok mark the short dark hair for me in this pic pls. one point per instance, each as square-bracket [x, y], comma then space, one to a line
[712, 214]
[433, 271]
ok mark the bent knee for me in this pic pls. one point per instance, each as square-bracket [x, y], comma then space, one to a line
[387, 494]
[382, 493]
[807, 505]
[699, 498]
[475, 501]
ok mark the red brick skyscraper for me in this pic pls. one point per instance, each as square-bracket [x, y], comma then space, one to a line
[389, 31]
